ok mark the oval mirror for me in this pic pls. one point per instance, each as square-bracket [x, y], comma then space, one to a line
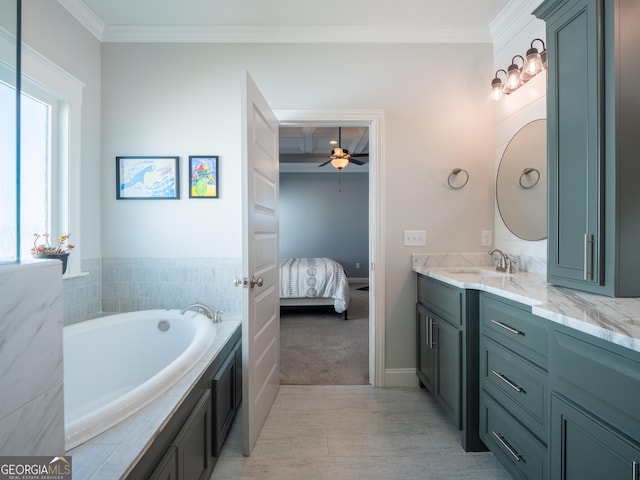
[521, 183]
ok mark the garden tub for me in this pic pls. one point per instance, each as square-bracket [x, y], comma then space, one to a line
[117, 364]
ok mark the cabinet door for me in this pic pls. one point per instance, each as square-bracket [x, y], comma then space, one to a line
[193, 443]
[448, 344]
[584, 447]
[238, 380]
[224, 402]
[575, 144]
[167, 469]
[425, 353]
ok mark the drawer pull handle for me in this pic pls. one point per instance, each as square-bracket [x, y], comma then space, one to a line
[431, 341]
[508, 382]
[507, 327]
[504, 443]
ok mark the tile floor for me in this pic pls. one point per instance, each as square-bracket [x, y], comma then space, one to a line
[354, 432]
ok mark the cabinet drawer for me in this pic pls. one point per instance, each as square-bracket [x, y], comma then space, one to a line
[515, 328]
[518, 385]
[515, 447]
[443, 299]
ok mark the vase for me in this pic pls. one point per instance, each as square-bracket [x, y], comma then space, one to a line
[63, 257]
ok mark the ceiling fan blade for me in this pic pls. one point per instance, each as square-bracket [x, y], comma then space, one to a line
[359, 154]
[357, 162]
[325, 163]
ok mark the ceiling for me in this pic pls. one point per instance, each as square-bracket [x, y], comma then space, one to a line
[289, 20]
[312, 145]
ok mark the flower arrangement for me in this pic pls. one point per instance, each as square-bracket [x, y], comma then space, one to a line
[41, 245]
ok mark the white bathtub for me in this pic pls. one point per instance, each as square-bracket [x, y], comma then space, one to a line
[116, 365]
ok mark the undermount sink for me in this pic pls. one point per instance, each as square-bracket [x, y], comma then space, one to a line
[485, 271]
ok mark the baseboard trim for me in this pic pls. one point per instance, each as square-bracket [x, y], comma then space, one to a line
[400, 377]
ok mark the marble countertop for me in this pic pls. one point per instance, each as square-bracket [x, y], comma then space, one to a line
[613, 319]
[113, 453]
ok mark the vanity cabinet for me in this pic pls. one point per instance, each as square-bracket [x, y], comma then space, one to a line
[592, 105]
[595, 413]
[446, 353]
[514, 395]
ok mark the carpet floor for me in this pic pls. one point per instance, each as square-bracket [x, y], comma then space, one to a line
[319, 347]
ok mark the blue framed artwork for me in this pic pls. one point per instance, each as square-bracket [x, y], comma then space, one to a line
[203, 176]
[147, 178]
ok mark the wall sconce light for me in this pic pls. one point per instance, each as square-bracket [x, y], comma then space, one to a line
[497, 89]
[535, 62]
[516, 75]
[513, 76]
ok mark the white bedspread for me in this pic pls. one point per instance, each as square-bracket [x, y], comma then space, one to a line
[313, 278]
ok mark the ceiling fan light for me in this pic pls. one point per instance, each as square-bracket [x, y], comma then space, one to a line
[340, 162]
[338, 152]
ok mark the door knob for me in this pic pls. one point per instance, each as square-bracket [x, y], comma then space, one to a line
[252, 282]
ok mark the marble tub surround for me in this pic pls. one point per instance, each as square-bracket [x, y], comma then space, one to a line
[113, 453]
[31, 375]
[613, 319]
[524, 263]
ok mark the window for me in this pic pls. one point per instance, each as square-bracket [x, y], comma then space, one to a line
[40, 188]
[51, 115]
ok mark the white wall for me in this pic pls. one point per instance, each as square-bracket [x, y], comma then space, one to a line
[513, 30]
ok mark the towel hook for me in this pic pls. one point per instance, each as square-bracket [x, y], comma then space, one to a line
[454, 173]
[525, 174]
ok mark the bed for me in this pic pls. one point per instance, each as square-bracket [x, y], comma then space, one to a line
[313, 282]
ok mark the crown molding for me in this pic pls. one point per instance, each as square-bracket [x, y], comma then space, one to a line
[83, 14]
[512, 19]
[293, 34]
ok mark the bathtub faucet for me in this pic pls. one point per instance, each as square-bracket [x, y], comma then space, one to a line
[203, 309]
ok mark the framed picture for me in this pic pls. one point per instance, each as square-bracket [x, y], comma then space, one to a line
[147, 178]
[203, 176]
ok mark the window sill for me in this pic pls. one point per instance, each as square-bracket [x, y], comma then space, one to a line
[68, 276]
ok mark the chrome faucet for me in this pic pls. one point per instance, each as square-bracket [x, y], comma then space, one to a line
[505, 262]
[203, 309]
[501, 266]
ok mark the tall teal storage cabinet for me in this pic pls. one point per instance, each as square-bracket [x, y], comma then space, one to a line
[593, 122]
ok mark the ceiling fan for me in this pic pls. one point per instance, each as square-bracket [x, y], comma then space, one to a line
[340, 157]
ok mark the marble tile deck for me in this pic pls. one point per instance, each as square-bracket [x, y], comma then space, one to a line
[354, 432]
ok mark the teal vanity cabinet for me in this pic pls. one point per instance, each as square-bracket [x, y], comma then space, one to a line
[514, 396]
[595, 408]
[592, 103]
[447, 352]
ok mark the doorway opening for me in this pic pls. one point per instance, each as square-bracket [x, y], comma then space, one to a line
[373, 270]
[324, 249]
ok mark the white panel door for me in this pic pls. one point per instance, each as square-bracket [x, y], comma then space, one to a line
[260, 258]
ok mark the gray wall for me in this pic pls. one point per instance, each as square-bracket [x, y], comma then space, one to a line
[326, 215]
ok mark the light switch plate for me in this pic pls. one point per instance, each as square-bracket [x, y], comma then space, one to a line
[415, 238]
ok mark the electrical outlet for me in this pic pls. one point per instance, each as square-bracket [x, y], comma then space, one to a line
[415, 238]
[486, 238]
[357, 264]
